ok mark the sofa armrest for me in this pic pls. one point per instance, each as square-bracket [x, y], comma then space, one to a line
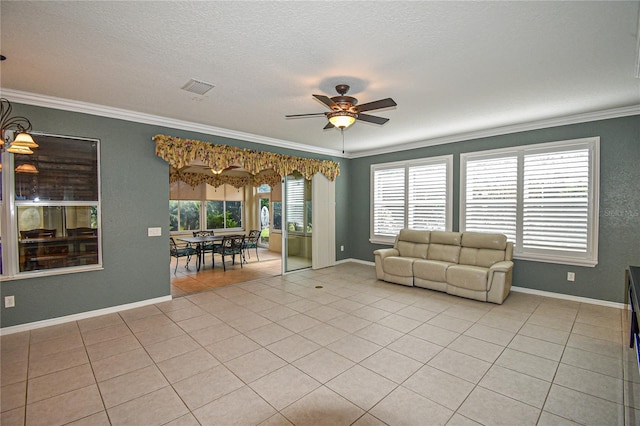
[499, 281]
[382, 253]
[502, 266]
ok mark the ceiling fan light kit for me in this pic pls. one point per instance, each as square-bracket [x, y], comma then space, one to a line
[341, 119]
[345, 109]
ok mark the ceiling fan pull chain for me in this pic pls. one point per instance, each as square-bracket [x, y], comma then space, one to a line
[342, 131]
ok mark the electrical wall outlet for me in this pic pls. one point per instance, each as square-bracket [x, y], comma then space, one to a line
[154, 232]
[9, 301]
[341, 248]
[571, 276]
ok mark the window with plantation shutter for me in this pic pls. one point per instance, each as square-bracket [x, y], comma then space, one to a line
[543, 197]
[295, 203]
[555, 201]
[414, 194]
[492, 195]
[427, 198]
[388, 202]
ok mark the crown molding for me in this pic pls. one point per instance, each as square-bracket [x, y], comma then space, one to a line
[504, 130]
[138, 117]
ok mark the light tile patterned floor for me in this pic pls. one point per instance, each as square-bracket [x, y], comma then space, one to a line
[279, 351]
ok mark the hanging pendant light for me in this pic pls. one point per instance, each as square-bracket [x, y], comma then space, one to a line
[25, 139]
[18, 149]
[22, 142]
[27, 168]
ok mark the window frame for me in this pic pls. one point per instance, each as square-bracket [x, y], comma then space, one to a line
[592, 144]
[9, 206]
[202, 200]
[447, 160]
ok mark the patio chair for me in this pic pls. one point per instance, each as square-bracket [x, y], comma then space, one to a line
[231, 245]
[178, 252]
[251, 242]
[205, 247]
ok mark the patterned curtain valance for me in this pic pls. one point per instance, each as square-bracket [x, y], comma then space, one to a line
[237, 181]
[263, 167]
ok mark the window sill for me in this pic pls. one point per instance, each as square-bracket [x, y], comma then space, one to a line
[51, 272]
[383, 241]
[590, 263]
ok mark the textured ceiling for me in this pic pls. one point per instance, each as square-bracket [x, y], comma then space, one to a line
[452, 67]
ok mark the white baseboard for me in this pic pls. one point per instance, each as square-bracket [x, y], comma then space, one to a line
[570, 297]
[80, 316]
[364, 262]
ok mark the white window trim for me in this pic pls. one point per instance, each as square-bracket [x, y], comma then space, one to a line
[447, 159]
[590, 258]
[9, 207]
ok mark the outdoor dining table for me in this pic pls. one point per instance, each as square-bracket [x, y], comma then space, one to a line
[200, 242]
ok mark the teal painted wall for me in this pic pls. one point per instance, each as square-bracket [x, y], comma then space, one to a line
[135, 193]
[619, 228]
[135, 189]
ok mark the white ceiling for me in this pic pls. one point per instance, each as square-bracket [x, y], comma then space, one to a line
[454, 68]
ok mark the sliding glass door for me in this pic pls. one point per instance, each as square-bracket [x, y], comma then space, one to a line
[297, 223]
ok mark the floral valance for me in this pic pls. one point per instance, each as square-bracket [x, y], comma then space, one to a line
[263, 167]
[195, 179]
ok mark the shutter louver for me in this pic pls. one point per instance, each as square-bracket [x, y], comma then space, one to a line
[556, 201]
[388, 211]
[427, 200]
[295, 203]
[491, 196]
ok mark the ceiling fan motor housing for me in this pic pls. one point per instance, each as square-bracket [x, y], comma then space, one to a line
[344, 103]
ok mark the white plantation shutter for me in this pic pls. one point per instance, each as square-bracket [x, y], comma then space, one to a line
[388, 201]
[414, 194]
[295, 202]
[543, 197]
[492, 196]
[427, 198]
[556, 201]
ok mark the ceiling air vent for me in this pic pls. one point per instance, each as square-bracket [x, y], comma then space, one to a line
[198, 87]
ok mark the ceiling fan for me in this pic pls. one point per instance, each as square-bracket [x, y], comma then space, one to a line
[345, 109]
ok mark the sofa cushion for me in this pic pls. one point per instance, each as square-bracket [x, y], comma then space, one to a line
[468, 277]
[444, 253]
[413, 243]
[443, 237]
[484, 240]
[407, 249]
[399, 266]
[414, 236]
[480, 257]
[432, 270]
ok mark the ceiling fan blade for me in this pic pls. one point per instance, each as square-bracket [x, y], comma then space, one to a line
[372, 119]
[305, 115]
[382, 103]
[328, 126]
[327, 101]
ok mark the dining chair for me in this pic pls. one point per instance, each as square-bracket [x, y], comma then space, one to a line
[251, 242]
[178, 252]
[231, 245]
[205, 247]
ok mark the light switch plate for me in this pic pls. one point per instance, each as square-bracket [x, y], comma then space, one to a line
[154, 232]
[9, 301]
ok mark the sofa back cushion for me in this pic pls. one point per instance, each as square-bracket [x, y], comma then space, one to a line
[413, 243]
[445, 246]
[483, 249]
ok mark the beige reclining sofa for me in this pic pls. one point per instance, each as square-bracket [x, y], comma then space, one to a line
[468, 264]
